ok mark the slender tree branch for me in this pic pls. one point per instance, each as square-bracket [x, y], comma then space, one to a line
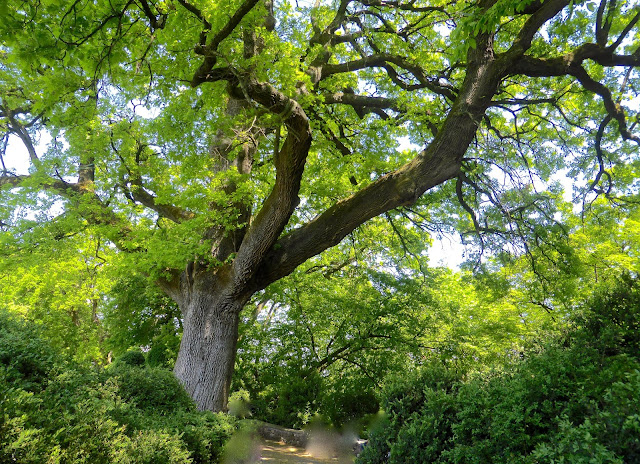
[14, 181]
[156, 22]
[383, 60]
[600, 157]
[614, 110]
[210, 50]
[625, 32]
[173, 213]
[544, 13]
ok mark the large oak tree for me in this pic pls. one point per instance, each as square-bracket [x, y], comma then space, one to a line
[222, 144]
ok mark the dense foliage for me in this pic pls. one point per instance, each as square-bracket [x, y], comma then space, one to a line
[322, 341]
[53, 410]
[575, 400]
[214, 147]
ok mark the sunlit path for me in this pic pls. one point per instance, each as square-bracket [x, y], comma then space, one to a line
[274, 452]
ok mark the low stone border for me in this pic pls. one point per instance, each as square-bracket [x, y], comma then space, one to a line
[292, 437]
[297, 438]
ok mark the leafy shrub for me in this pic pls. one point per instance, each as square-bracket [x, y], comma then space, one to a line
[404, 394]
[611, 321]
[151, 447]
[131, 358]
[428, 433]
[57, 412]
[379, 447]
[290, 400]
[151, 389]
[164, 348]
[24, 356]
[204, 433]
[404, 399]
[576, 401]
[347, 400]
[19, 440]
[68, 422]
[157, 357]
[575, 445]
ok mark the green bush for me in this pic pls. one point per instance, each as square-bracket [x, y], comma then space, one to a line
[151, 389]
[288, 400]
[133, 358]
[347, 400]
[56, 412]
[404, 394]
[68, 422]
[404, 401]
[204, 433]
[164, 348]
[157, 357]
[577, 401]
[152, 447]
[575, 445]
[27, 360]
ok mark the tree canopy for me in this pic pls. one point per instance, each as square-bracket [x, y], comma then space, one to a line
[217, 146]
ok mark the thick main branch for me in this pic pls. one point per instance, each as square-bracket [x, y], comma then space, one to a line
[439, 162]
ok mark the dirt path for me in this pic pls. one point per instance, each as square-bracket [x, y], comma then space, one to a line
[277, 453]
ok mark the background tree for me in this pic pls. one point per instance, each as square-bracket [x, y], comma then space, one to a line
[316, 345]
[223, 145]
[139, 315]
[601, 247]
[59, 284]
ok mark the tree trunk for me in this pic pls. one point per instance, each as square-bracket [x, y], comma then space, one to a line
[208, 348]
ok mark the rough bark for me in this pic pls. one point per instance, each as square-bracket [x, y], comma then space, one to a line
[208, 348]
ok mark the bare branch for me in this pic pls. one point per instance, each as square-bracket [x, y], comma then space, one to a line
[411, 6]
[562, 65]
[323, 37]
[196, 12]
[361, 101]
[403, 242]
[14, 181]
[173, 213]
[18, 128]
[466, 207]
[546, 11]
[614, 110]
[116, 15]
[384, 60]
[524, 101]
[602, 34]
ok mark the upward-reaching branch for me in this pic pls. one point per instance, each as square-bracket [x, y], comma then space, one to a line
[210, 50]
[18, 128]
[289, 162]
